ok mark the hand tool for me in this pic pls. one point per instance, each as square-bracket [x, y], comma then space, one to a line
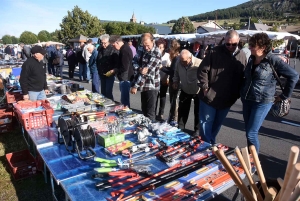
[294, 179]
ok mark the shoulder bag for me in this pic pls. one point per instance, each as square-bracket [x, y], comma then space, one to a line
[280, 108]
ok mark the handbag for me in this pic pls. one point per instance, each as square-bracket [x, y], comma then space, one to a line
[56, 60]
[280, 108]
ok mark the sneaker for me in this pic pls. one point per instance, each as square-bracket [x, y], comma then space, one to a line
[173, 123]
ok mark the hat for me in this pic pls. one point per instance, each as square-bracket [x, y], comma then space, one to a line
[38, 49]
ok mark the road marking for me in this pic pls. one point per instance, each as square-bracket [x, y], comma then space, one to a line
[290, 123]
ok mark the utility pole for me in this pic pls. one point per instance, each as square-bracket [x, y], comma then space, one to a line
[249, 23]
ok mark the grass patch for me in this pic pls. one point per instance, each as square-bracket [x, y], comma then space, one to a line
[30, 189]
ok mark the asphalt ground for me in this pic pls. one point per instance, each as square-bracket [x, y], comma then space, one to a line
[276, 137]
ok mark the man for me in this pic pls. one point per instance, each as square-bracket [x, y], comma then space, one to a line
[107, 60]
[50, 57]
[93, 67]
[146, 65]
[185, 75]
[220, 75]
[133, 49]
[86, 55]
[33, 76]
[26, 51]
[124, 69]
[60, 65]
[71, 58]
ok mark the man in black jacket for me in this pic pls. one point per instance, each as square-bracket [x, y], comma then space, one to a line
[220, 75]
[33, 76]
[124, 69]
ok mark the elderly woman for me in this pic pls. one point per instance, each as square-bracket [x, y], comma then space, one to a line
[258, 91]
[106, 61]
[164, 78]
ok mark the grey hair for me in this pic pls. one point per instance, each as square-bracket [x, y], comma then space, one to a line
[232, 34]
[104, 37]
[88, 46]
[185, 52]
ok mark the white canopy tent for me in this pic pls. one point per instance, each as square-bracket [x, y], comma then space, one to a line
[216, 36]
[182, 37]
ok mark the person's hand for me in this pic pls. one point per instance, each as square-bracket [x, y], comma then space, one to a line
[47, 91]
[175, 85]
[144, 70]
[133, 90]
[26, 97]
[277, 99]
[112, 71]
[205, 92]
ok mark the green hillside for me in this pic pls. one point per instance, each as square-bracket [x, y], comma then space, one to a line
[267, 10]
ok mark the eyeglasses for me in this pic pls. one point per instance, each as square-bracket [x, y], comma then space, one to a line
[231, 44]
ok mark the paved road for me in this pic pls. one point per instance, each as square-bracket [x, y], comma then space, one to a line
[276, 137]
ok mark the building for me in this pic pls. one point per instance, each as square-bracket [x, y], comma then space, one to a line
[205, 27]
[290, 29]
[160, 29]
[257, 26]
[133, 19]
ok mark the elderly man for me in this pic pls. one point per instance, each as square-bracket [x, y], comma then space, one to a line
[93, 67]
[185, 75]
[33, 76]
[146, 65]
[220, 75]
[124, 69]
[107, 60]
[133, 49]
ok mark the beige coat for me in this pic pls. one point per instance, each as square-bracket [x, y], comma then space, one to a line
[187, 78]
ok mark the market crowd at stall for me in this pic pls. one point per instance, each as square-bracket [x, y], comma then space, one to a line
[98, 128]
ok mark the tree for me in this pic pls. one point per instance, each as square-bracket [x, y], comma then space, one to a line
[44, 36]
[14, 40]
[28, 37]
[79, 22]
[6, 39]
[55, 35]
[183, 25]
[121, 28]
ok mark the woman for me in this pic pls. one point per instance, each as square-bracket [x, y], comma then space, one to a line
[174, 52]
[258, 91]
[107, 60]
[164, 79]
[71, 58]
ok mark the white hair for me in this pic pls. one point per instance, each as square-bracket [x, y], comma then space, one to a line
[90, 46]
[185, 53]
[104, 37]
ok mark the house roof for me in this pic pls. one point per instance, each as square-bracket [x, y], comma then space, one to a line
[290, 29]
[210, 29]
[80, 38]
[160, 29]
[257, 26]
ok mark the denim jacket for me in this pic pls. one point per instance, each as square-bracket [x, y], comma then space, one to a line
[261, 85]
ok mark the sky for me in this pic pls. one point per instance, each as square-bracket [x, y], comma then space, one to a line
[36, 15]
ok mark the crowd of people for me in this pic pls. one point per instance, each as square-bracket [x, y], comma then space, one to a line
[214, 77]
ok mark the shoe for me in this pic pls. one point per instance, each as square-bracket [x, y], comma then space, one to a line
[173, 123]
[159, 118]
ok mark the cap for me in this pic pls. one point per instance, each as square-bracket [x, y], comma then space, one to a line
[38, 49]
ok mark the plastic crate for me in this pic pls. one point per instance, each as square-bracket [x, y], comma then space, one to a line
[6, 118]
[13, 97]
[21, 164]
[32, 120]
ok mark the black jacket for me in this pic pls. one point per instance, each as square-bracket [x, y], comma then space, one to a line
[124, 70]
[221, 73]
[107, 59]
[80, 58]
[33, 76]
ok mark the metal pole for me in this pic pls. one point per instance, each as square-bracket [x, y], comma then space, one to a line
[249, 23]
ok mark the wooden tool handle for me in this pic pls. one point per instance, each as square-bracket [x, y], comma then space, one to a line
[259, 170]
[294, 178]
[280, 181]
[235, 177]
[296, 193]
[294, 153]
[248, 174]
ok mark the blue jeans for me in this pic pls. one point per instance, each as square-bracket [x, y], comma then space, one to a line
[81, 68]
[51, 69]
[211, 120]
[125, 89]
[95, 83]
[107, 84]
[88, 72]
[254, 114]
[37, 95]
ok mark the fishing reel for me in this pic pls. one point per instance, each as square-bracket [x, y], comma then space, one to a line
[74, 136]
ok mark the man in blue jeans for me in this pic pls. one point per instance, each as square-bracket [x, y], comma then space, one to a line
[50, 57]
[33, 76]
[124, 69]
[220, 75]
